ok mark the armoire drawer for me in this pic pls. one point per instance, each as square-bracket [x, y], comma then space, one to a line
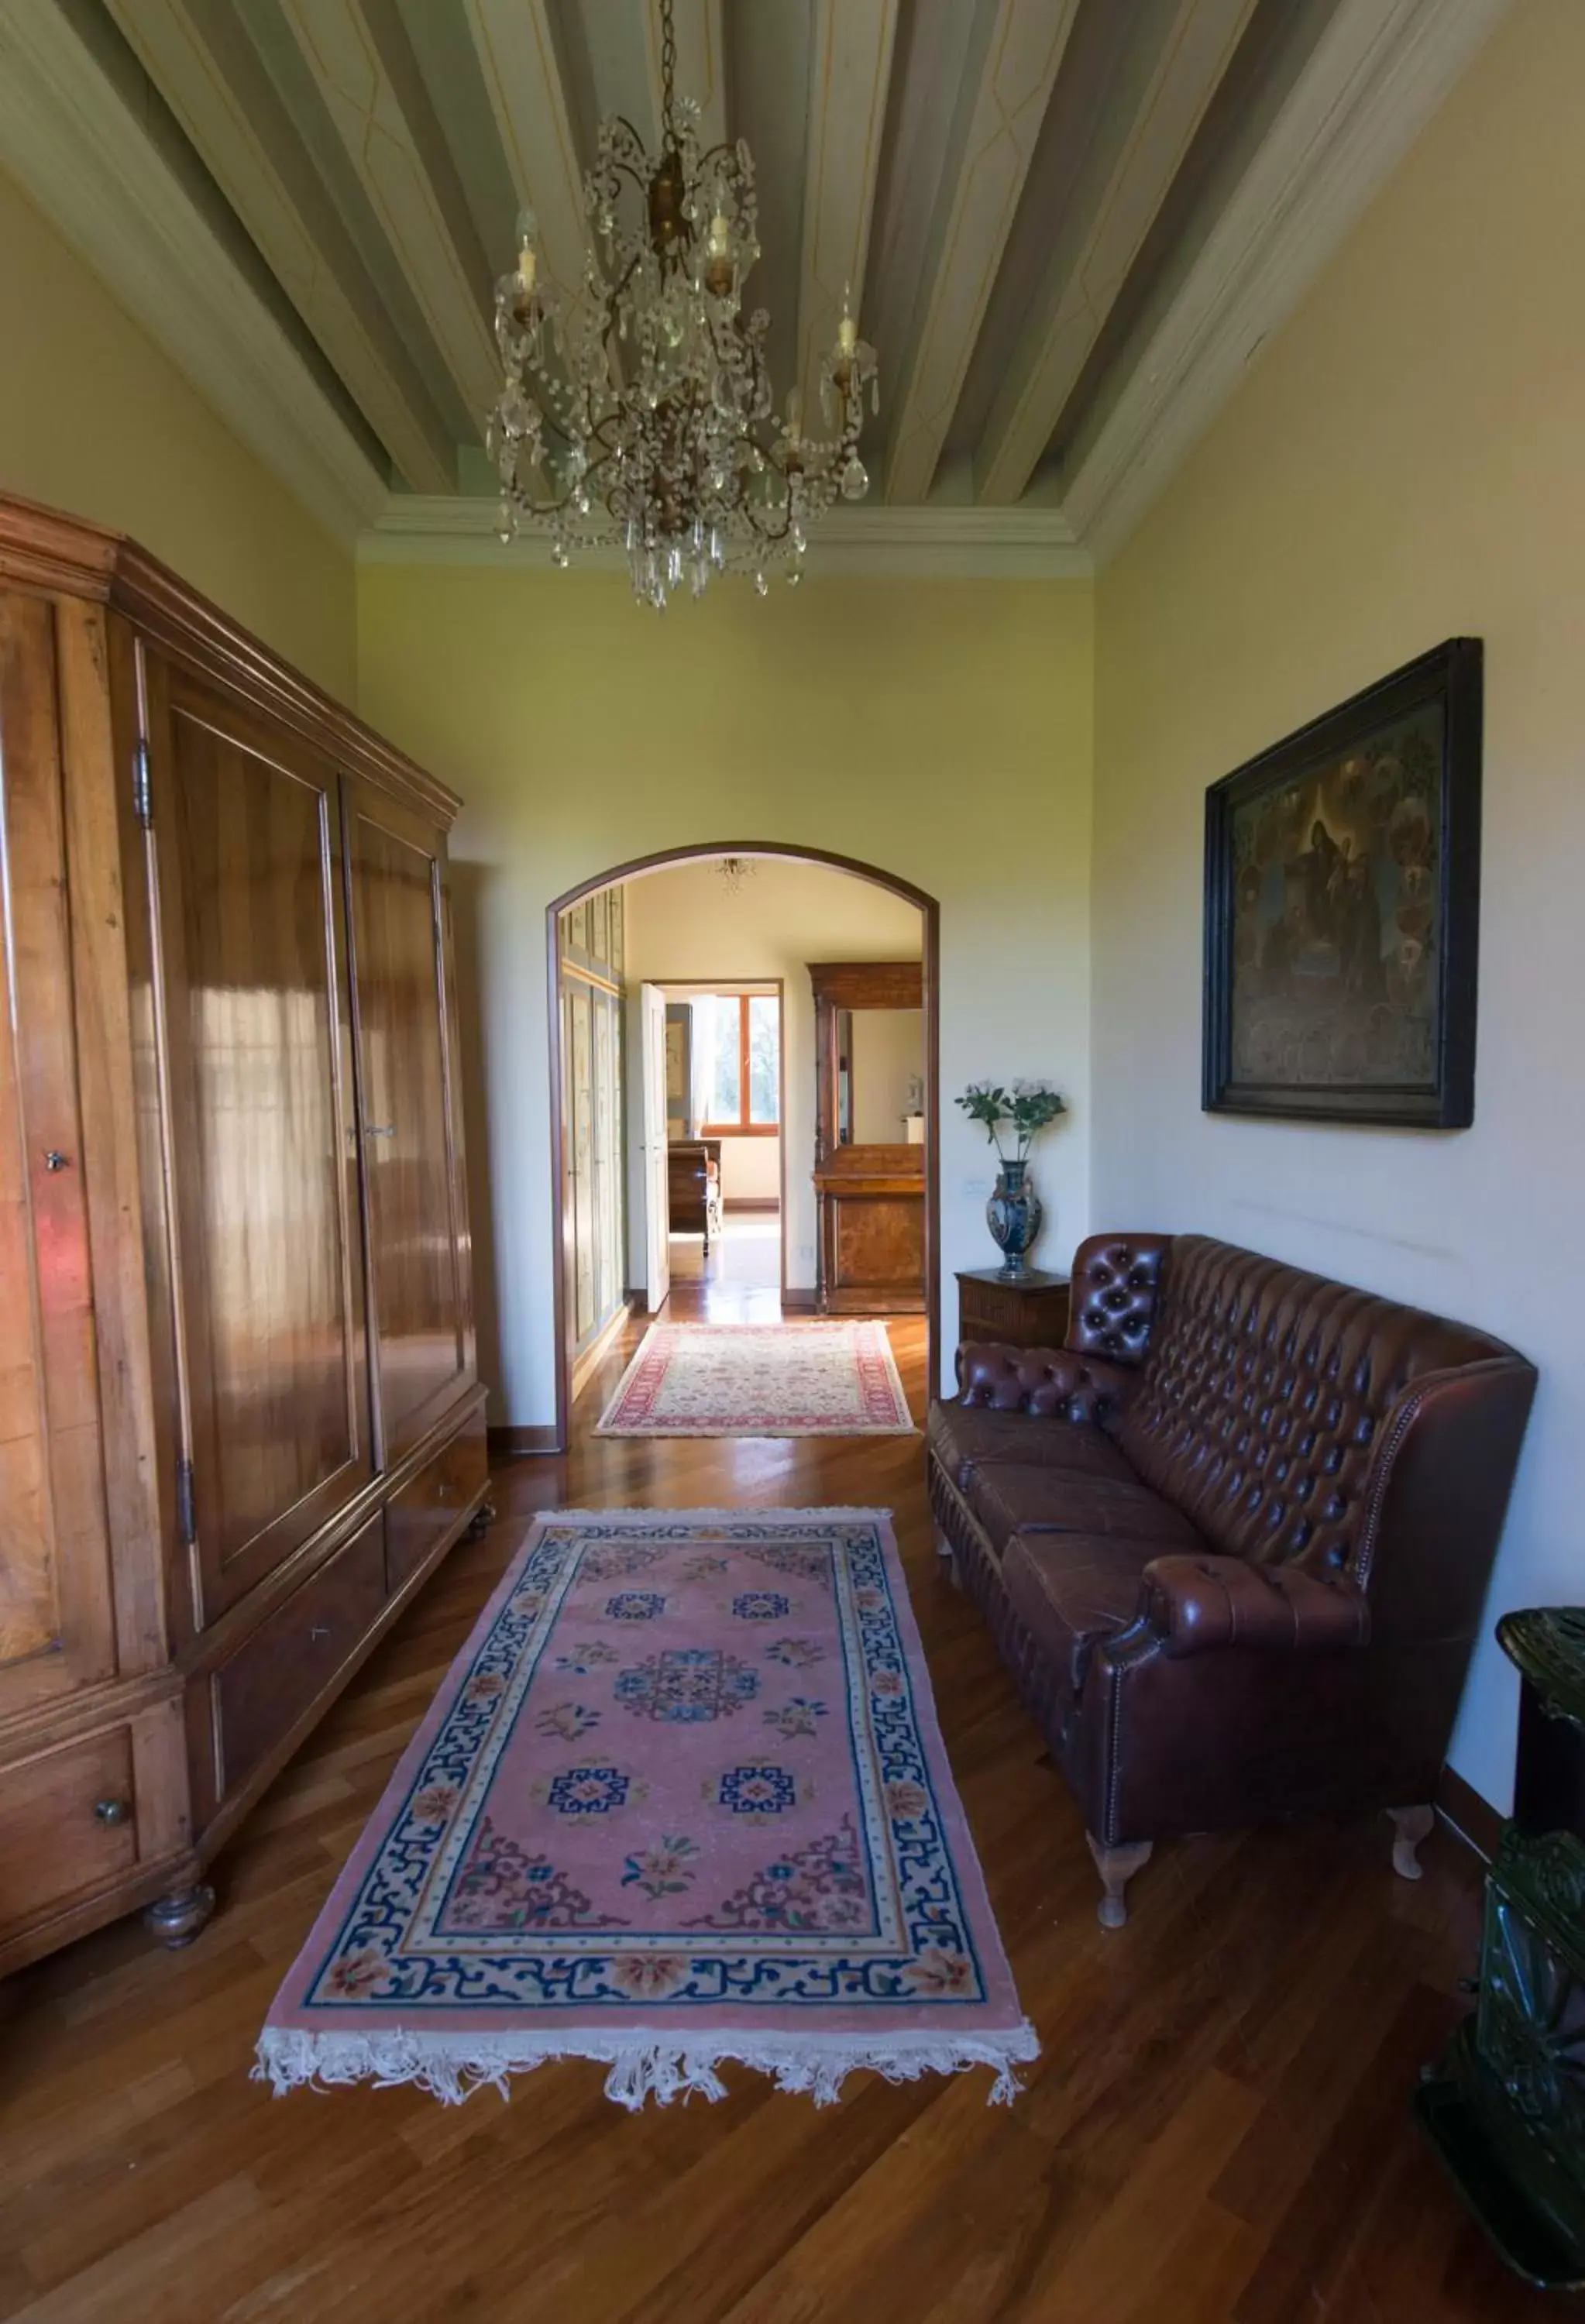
[263, 1686]
[68, 1823]
[427, 1508]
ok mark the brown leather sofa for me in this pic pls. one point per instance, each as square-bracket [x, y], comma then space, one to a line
[1232, 1539]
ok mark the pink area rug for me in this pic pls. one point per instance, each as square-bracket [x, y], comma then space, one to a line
[682, 1799]
[761, 1380]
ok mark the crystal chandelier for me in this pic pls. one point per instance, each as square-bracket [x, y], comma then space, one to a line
[640, 413]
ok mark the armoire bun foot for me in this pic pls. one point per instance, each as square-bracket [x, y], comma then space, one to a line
[177, 1919]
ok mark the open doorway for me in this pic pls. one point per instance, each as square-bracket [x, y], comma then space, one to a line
[714, 957]
[718, 1252]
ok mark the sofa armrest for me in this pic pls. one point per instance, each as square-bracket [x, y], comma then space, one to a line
[1054, 1383]
[1195, 1605]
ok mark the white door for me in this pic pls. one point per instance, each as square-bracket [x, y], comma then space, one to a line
[657, 1193]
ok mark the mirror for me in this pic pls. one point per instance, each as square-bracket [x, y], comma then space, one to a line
[879, 1076]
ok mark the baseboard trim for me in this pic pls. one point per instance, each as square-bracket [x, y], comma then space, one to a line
[1468, 1816]
[800, 1303]
[764, 1203]
[588, 1360]
[520, 1444]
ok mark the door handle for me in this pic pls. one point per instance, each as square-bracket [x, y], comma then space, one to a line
[378, 1129]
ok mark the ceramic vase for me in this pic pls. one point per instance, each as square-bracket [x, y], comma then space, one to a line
[1013, 1216]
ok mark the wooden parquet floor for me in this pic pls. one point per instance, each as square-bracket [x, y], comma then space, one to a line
[1217, 2127]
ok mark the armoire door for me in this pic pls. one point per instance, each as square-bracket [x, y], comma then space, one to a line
[57, 1631]
[255, 1027]
[420, 1292]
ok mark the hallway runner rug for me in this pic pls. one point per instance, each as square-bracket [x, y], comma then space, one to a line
[761, 1380]
[681, 1799]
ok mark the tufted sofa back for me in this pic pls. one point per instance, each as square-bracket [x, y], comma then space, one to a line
[1265, 1395]
[1116, 1283]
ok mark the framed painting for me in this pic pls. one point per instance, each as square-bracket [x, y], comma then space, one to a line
[1342, 888]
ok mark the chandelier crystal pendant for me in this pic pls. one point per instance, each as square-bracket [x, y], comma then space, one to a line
[640, 413]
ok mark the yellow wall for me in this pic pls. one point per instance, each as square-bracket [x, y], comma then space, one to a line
[940, 730]
[95, 420]
[1402, 465]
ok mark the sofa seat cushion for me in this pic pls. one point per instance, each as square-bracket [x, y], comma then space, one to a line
[962, 1436]
[1009, 1497]
[1072, 1591]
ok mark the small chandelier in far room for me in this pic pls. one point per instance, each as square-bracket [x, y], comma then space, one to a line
[639, 414]
[732, 871]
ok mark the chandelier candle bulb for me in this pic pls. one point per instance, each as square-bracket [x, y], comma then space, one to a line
[527, 236]
[653, 416]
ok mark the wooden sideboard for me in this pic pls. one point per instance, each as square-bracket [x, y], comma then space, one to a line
[871, 1200]
[869, 1197]
[242, 1420]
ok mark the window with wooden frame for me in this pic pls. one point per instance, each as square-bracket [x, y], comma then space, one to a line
[739, 1034]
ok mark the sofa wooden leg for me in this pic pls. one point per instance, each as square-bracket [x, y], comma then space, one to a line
[1412, 1826]
[1117, 1867]
[949, 1556]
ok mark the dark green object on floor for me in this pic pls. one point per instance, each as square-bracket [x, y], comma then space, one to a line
[1504, 2105]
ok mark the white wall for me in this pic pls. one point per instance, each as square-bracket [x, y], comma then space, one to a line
[96, 420]
[750, 1169]
[684, 926]
[940, 729]
[1402, 465]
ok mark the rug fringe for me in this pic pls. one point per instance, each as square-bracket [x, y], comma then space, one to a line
[748, 1511]
[290, 2059]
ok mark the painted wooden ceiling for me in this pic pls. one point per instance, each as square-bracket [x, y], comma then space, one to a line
[1004, 182]
[1057, 217]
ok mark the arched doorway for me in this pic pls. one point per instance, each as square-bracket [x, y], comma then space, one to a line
[705, 850]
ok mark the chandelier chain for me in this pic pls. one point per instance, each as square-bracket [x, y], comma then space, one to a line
[668, 77]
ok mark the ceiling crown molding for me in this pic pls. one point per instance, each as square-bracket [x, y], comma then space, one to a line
[78, 151]
[941, 543]
[1379, 71]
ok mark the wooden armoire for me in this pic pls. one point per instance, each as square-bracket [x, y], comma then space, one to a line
[241, 1417]
[868, 1194]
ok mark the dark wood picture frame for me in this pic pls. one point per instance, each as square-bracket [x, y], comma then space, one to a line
[1450, 677]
